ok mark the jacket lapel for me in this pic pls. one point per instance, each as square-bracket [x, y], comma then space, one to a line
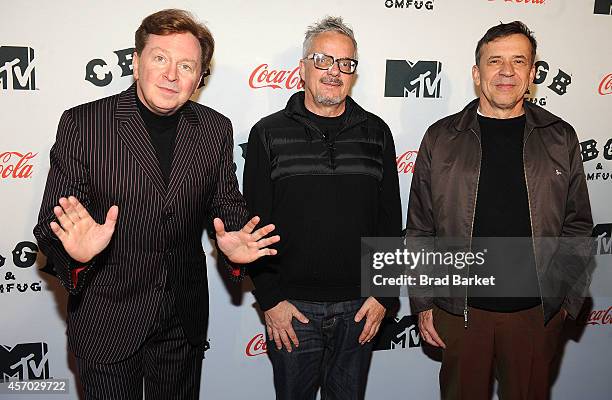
[133, 133]
[184, 151]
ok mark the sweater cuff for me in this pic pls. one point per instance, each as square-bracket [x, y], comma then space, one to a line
[268, 298]
[388, 302]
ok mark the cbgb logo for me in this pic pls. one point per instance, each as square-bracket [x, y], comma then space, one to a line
[24, 254]
[589, 150]
[592, 150]
[98, 73]
[559, 82]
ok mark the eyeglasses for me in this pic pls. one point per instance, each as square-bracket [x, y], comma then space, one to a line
[325, 62]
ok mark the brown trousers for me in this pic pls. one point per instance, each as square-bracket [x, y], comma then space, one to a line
[514, 347]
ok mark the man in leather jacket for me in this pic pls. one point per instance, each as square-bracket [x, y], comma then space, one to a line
[503, 168]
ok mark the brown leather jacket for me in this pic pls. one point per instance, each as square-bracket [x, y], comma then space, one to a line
[443, 201]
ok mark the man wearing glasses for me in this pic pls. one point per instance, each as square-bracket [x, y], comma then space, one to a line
[323, 169]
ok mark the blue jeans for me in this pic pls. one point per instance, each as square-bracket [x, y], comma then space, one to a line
[329, 357]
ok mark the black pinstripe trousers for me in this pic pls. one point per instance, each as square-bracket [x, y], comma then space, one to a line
[165, 367]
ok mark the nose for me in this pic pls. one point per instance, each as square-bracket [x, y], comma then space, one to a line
[334, 70]
[171, 72]
[507, 69]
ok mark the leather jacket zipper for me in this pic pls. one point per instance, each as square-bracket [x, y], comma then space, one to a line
[531, 222]
[465, 304]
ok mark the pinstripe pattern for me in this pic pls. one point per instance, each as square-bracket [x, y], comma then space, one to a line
[103, 156]
[169, 366]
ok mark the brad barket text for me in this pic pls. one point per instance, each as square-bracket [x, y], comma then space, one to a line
[426, 280]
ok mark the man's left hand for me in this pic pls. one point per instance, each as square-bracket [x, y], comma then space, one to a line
[245, 246]
[374, 312]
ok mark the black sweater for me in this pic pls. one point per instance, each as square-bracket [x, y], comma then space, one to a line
[323, 192]
[502, 211]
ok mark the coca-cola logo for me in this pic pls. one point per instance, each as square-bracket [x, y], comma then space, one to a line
[16, 165]
[263, 77]
[605, 87]
[405, 162]
[600, 317]
[256, 346]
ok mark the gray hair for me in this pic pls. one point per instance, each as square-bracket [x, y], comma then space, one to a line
[327, 24]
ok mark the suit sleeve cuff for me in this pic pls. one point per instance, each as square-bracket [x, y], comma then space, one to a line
[236, 271]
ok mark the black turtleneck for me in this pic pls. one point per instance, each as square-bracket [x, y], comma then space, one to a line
[162, 130]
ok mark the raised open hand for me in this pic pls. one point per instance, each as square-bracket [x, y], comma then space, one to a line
[80, 235]
[245, 246]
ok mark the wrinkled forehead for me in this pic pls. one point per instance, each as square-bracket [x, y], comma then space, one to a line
[515, 45]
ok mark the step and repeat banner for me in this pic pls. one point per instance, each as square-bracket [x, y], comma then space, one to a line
[415, 60]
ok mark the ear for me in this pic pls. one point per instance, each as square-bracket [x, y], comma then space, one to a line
[135, 61]
[302, 69]
[476, 75]
[532, 74]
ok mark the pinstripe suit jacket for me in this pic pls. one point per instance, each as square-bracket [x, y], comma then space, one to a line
[103, 155]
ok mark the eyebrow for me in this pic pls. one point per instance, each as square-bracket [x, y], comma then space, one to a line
[514, 57]
[166, 52]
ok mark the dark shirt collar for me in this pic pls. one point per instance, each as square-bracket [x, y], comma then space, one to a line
[325, 120]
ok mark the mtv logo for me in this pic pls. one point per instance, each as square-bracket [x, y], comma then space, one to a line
[17, 68]
[398, 333]
[421, 79]
[23, 362]
[603, 7]
[603, 233]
